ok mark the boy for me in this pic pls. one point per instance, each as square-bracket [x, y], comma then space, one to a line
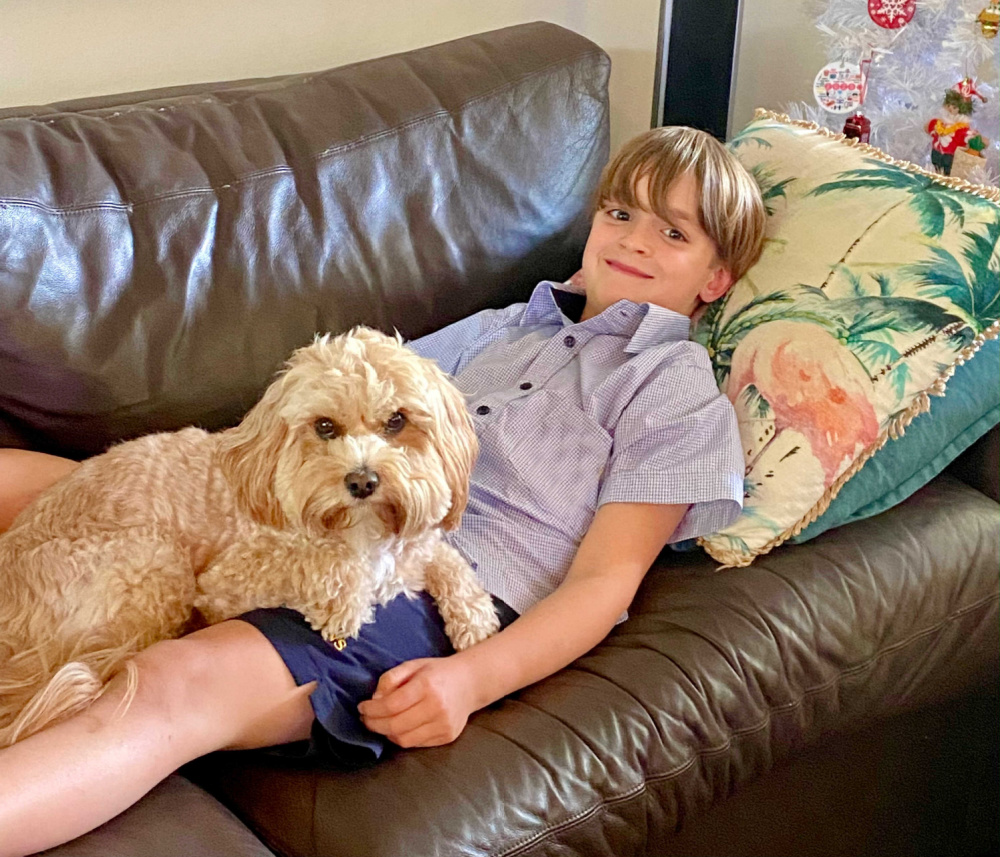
[603, 436]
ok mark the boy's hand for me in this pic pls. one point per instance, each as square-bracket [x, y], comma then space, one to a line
[421, 703]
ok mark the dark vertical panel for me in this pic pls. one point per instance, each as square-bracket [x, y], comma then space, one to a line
[700, 58]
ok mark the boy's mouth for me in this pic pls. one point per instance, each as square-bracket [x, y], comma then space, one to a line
[621, 267]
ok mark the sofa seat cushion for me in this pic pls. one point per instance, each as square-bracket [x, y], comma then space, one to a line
[715, 678]
[175, 818]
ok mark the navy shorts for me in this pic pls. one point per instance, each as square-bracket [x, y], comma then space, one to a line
[348, 673]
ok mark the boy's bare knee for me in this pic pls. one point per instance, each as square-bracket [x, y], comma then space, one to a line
[179, 684]
[223, 686]
[170, 680]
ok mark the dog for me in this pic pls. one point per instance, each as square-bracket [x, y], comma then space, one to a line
[330, 497]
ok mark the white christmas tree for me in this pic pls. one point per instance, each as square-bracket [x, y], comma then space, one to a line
[912, 68]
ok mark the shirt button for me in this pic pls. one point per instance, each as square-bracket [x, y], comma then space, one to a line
[569, 341]
[526, 385]
[483, 410]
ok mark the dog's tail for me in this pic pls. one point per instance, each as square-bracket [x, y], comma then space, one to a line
[41, 686]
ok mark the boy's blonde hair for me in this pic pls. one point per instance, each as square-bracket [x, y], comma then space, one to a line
[731, 209]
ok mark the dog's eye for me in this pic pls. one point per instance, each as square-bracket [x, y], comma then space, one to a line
[326, 428]
[395, 423]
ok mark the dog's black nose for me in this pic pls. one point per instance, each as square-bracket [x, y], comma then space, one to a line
[361, 483]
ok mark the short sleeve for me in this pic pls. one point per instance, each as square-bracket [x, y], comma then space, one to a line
[677, 442]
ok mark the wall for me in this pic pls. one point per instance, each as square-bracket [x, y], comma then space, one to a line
[55, 50]
[780, 52]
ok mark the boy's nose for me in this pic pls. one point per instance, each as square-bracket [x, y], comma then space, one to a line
[635, 239]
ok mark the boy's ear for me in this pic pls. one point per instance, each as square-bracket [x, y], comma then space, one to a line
[716, 287]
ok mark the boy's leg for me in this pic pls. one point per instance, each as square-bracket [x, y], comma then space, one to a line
[222, 687]
[23, 476]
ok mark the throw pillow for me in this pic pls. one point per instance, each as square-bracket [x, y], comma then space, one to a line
[931, 443]
[877, 281]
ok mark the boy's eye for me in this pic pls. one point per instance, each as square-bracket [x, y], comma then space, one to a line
[674, 234]
[618, 214]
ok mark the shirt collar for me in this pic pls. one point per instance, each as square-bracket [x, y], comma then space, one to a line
[645, 325]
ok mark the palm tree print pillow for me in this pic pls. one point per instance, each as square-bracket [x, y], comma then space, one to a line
[877, 280]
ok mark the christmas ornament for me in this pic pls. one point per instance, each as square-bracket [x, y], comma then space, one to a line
[968, 159]
[952, 134]
[989, 19]
[837, 87]
[858, 127]
[891, 14]
[961, 95]
[913, 67]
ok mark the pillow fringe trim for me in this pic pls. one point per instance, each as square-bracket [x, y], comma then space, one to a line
[921, 403]
[953, 182]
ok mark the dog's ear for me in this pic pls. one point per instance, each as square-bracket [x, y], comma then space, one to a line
[455, 440]
[248, 456]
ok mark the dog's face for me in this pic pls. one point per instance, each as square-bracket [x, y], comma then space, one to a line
[357, 429]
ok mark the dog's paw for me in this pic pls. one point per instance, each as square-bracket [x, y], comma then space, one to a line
[474, 627]
[330, 631]
[338, 625]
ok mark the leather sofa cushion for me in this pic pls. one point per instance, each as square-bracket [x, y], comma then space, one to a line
[715, 678]
[166, 251]
[176, 818]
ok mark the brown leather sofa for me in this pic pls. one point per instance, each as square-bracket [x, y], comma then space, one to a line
[162, 252]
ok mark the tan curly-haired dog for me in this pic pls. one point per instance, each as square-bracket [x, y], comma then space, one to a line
[329, 498]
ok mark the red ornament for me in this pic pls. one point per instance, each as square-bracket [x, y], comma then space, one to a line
[858, 127]
[891, 14]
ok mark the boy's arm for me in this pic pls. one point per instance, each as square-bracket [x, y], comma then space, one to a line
[427, 702]
[23, 476]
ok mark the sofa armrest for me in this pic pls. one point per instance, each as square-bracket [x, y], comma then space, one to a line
[979, 465]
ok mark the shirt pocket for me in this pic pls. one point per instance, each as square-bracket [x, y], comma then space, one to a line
[549, 459]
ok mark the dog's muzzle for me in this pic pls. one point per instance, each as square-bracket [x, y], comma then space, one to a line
[361, 483]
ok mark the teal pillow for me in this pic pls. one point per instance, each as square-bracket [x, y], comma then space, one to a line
[931, 442]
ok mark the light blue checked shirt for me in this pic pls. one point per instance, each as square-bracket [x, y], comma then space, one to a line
[621, 408]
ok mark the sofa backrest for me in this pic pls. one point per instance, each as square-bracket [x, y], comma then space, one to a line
[163, 252]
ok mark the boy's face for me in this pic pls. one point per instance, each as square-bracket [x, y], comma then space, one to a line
[633, 254]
